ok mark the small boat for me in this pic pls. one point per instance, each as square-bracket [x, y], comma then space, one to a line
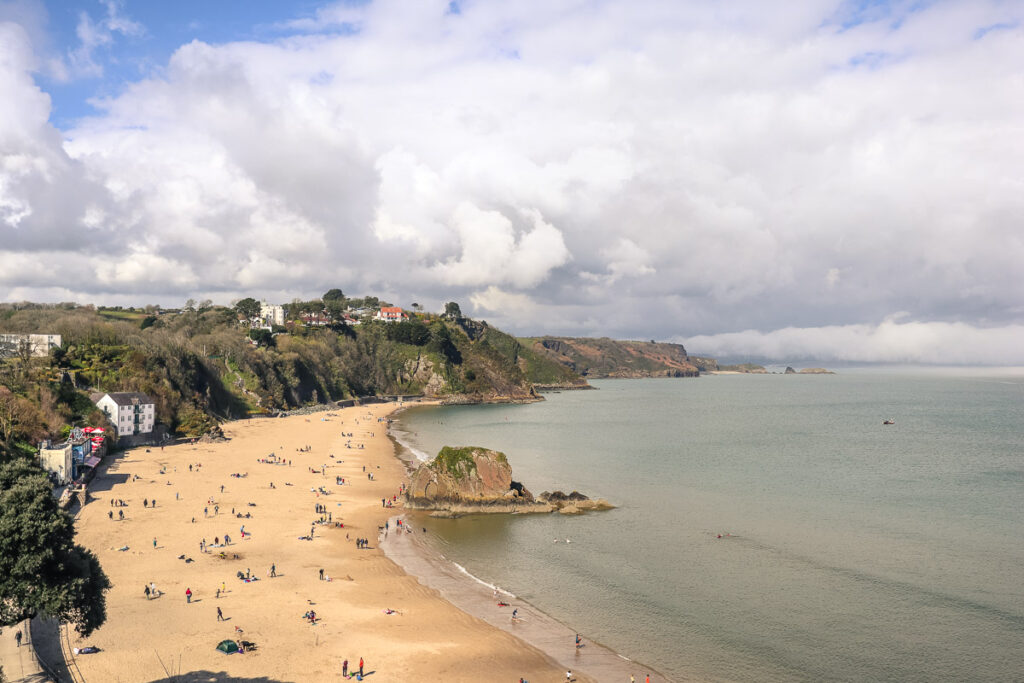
[889, 422]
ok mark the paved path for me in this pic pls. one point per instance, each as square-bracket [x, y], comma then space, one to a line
[19, 663]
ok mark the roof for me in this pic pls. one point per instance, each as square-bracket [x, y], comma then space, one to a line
[391, 309]
[127, 398]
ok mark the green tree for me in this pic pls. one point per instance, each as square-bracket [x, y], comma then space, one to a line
[333, 295]
[262, 337]
[42, 570]
[452, 311]
[248, 307]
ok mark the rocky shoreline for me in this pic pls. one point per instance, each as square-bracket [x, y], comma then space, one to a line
[474, 480]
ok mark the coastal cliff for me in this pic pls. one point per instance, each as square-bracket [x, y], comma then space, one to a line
[600, 358]
[473, 480]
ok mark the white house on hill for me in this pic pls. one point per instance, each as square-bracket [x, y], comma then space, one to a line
[130, 411]
[39, 343]
[391, 314]
[271, 314]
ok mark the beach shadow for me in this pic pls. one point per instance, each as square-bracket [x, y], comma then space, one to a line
[213, 677]
[45, 640]
[104, 481]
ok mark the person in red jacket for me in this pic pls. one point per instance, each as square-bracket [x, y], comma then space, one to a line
[188, 595]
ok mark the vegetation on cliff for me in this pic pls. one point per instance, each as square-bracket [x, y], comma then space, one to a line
[203, 364]
[605, 357]
[459, 462]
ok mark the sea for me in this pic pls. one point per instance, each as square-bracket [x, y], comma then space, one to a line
[768, 527]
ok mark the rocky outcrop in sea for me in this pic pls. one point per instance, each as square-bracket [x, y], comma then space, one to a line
[470, 480]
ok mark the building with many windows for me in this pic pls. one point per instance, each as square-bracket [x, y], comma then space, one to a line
[129, 411]
[39, 343]
[271, 314]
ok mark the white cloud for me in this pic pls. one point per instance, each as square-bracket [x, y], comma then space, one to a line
[626, 259]
[493, 250]
[890, 341]
[95, 35]
[495, 300]
[645, 169]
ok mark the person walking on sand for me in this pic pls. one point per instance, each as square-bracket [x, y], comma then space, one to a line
[360, 666]
[147, 591]
[17, 637]
[220, 615]
[188, 595]
[321, 574]
[273, 570]
[344, 669]
[154, 543]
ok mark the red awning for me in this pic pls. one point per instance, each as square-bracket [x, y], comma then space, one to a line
[92, 462]
[87, 430]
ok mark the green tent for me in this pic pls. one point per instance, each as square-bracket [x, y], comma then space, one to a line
[228, 646]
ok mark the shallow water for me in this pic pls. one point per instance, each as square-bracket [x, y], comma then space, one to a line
[855, 551]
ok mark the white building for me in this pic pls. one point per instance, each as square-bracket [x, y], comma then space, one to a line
[130, 411]
[271, 314]
[57, 459]
[391, 314]
[40, 343]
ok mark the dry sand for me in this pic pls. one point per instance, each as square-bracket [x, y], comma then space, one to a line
[145, 640]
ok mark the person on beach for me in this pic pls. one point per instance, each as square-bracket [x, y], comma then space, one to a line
[120, 514]
[321, 574]
[568, 675]
[220, 615]
[344, 669]
[515, 613]
[154, 544]
[188, 595]
[360, 666]
[152, 589]
[273, 570]
[579, 641]
[147, 591]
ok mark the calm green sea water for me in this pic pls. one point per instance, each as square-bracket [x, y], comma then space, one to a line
[856, 551]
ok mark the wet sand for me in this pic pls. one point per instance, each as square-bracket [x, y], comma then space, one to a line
[426, 639]
[535, 627]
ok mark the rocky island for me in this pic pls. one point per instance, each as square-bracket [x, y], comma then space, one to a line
[470, 480]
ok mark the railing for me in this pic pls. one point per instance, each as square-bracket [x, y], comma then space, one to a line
[69, 654]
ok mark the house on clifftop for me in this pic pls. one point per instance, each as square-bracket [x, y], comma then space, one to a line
[130, 411]
[391, 314]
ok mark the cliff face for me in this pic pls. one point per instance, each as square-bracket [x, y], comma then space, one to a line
[469, 479]
[604, 357]
[472, 480]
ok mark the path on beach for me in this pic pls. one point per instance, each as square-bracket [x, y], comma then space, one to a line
[19, 663]
[150, 639]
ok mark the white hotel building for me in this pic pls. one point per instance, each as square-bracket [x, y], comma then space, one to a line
[130, 411]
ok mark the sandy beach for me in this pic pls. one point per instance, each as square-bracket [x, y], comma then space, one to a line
[147, 639]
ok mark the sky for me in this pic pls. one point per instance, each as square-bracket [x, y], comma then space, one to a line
[822, 180]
